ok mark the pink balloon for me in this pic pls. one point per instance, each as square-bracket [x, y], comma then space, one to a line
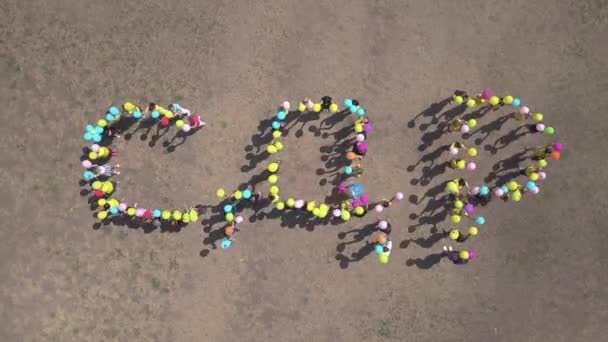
[140, 212]
[360, 137]
[122, 207]
[87, 164]
[464, 129]
[186, 128]
[540, 127]
[498, 192]
[379, 208]
[337, 212]
[453, 151]
[309, 105]
[285, 105]
[557, 146]
[341, 188]
[542, 175]
[382, 224]
[535, 190]
[524, 110]
[356, 204]
[472, 254]
[299, 204]
[399, 196]
[364, 199]
[471, 166]
[486, 94]
[95, 148]
[362, 147]
[238, 219]
[475, 190]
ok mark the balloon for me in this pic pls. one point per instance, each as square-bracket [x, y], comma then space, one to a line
[360, 137]
[96, 185]
[524, 110]
[227, 208]
[348, 102]
[471, 166]
[542, 163]
[229, 217]
[464, 255]
[471, 103]
[540, 127]
[382, 224]
[359, 211]
[309, 105]
[186, 128]
[348, 170]
[274, 189]
[516, 102]
[273, 167]
[352, 109]
[122, 207]
[557, 146]
[472, 123]
[301, 107]
[475, 190]
[364, 199]
[460, 164]
[156, 213]
[131, 212]
[464, 129]
[454, 234]
[512, 185]
[533, 176]
[220, 193]
[486, 94]
[484, 190]
[281, 115]
[333, 108]
[453, 151]
[345, 215]
[114, 110]
[290, 202]
[516, 196]
[336, 212]
[379, 208]
[472, 152]
[452, 187]
[480, 220]
[272, 179]
[164, 121]
[535, 190]
[299, 204]
[399, 196]
[278, 145]
[179, 123]
[469, 208]
[276, 125]
[455, 218]
[97, 138]
[549, 131]
[473, 231]
[102, 215]
[238, 219]
[530, 185]
[458, 204]
[367, 127]
[383, 258]
[101, 202]
[310, 205]
[285, 105]
[226, 243]
[356, 203]
[507, 99]
[379, 249]
[458, 99]
[351, 156]
[358, 128]
[316, 211]
[360, 111]
[498, 192]
[494, 100]
[137, 114]
[155, 114]
[271, 149]
[246, 194]
[114, 210]
[542, 175]
[165, 215]
[238, 194]
[316, 107]
[280, 205]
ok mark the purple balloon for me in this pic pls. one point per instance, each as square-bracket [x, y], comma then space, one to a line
[558, 146]
[469, 208]
[367, 127]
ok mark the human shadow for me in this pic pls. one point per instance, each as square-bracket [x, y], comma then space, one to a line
[344, 261]
[431, 111]
[426, 262]
[507, 139]
[423, 242]
[428, 158]
[489, 128]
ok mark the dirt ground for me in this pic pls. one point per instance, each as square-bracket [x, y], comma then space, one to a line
[541, 269]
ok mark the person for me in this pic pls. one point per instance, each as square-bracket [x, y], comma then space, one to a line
[107, 170]
[357, 170]
[455, 125]
[130, 108]
[387, 246]
[179, 111]
[195, 121]
[385, 202]
[456, 235]
[360, 148]
[384, 226]
[454, 256]
[326, 102]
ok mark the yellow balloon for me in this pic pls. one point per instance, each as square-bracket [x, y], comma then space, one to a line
[186, 218]
[460, 164]
[271, 149]
[168, 114]
[542, 163]
[102, 123]
[494, 100]
[177, 215]
[179, 123]
[316, 212]
[455, 218]
[471, 103]
[302, 107]
[472, 123]
[324, 207]
[516, 196]
[345, 215]
[512, 185]
[316, 107]
[273, 167]
[220, 193]
[131, 211]
[310, 205]
[537, 117]
[113, 202]
[458, 99]
[333, 108]
[472, 152]
[274, 189]
[165, 215]
[454, 234]
[507, 99]
[458, 204]
[96, 185]
[452, 187]
[290, 202]
[473, 231]
[533, 176]
[102, 215]
[278, 145]
[238, 194]
[229, 217]
[101, 202]
[92, 155]
[276, 134]
[358, 128]
[464, 255]
[383, 258]
[280, 205]
[272, 179]
[359, 211]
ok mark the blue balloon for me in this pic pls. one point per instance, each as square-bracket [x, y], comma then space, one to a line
[110, 117]
[352, 108]
[155, 114]
[114, 110]
[246, 194]
[176, 107]
[361, 111]
[484, 190]
[226, 243]
[114, 210]
[276, 125]
[505, 189]
[227, 208]
[137, 114]
[530, 185]
[99, 130]
[348, 102]
[97, 138]
[480, 220]
[348, 170]
[87, 136]
[281, 115]
[379, 249]
[87, 176]
[157, 213]
[89, 128]
[516, 102]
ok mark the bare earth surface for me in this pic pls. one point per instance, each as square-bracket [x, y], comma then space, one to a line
[541, 270]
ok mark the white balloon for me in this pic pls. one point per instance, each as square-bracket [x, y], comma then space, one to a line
[186, 128]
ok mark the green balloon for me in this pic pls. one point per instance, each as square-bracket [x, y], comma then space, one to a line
[549, 131]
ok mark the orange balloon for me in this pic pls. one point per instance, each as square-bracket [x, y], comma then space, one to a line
[380, 238]
[555, 155]
[351, 156]
[229, 231]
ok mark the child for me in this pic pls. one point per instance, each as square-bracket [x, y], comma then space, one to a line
[196, 122]
[107, 170]
[326, 102]
[179, 111]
